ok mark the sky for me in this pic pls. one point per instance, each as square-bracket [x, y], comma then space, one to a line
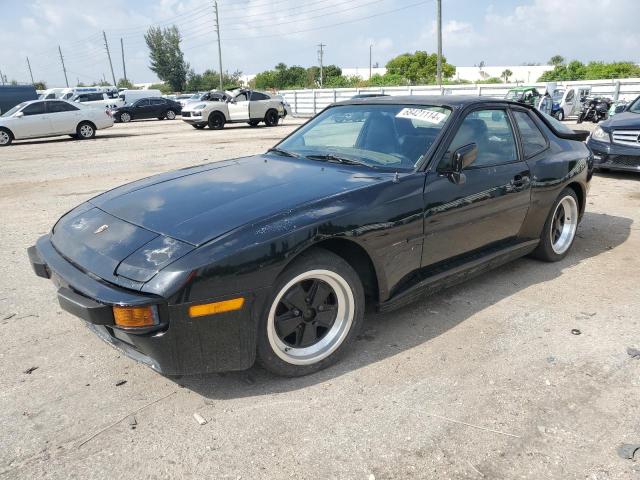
[258, 34]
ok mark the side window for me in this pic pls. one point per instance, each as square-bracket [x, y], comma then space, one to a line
[57, 107]
[34, 109]
[259, 96]
[142, 103]
[533, 141]
[157, 101]
[95, 96]
[491, 131]
[242, 97]
[570, 95]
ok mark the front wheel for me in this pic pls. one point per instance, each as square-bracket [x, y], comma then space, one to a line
[559, 230]
[5, 138]
[216, 121]
[560, 115]
[125, 117]
[271, 118]
[315, 311]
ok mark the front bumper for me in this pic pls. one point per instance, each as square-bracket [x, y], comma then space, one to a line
[615, 157]
[179, 345]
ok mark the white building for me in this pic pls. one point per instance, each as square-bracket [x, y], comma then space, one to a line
[521, 73]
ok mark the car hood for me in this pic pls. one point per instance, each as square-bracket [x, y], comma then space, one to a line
[623, 120]
[198, 204]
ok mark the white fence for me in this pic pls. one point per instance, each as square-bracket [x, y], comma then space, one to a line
[309, 102]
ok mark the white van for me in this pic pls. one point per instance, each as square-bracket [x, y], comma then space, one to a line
[69, 93]
[130, 96]
[51, 94]
[99, 99]
[567, 101]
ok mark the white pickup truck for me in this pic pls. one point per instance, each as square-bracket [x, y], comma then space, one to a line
[240, 106]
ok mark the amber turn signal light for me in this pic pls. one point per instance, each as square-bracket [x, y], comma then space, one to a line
[134, 316]
[216, 307]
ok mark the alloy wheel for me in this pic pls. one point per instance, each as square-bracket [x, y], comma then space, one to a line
[86, 131]
[5, 138]
[125, 117]
[564, 225]
[171, 115]
[310, 317]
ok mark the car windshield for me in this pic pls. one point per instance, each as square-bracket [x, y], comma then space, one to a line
[513, 94]
[379, 136]
[8, 113]
[635, 106]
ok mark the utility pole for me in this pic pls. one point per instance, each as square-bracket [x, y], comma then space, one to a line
[106, 45]
[66, 80]
[320, 58]
[370, 48]
[215, 7]
[439, 21]
[124, 66]
[1, 77]
[30, 72]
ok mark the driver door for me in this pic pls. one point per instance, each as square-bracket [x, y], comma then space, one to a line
[239, 108]
[34, 123]
[488, 203]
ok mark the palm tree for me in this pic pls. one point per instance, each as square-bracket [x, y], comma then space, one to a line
[506, 74]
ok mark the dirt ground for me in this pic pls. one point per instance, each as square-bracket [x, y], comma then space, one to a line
[482, 381]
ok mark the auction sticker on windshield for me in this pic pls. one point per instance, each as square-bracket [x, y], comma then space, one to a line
[422, 114]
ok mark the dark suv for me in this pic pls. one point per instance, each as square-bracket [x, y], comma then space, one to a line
[616, 142]
[154, 107]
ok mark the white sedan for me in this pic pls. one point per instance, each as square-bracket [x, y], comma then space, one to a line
[48, 118]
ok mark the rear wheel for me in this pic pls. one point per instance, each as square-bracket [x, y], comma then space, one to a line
[170, 115]
[560, 115]
[216, 121]
[271, 118]
[199, 127]
[5, 137]
[124, 117]
[85, 131]
[559, 230]
[314, 313]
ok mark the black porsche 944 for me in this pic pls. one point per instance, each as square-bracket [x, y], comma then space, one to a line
[274, 256]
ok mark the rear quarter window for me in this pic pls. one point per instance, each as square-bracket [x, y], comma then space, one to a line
[533, 141]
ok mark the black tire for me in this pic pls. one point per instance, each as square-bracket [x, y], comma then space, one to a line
[6, 137]
[170, 114]
[253, 123]
[216, 121]
[274, 351]
[560, 115]
[547, 249]
[198, 127]
[85, 131]
[271, 118]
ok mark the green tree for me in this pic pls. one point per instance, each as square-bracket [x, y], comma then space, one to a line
[40, 85]
[506, 74]
[210, 80]
[556, 60]
[163, 87]
[419, 67]
[125, 83]
[166, 57]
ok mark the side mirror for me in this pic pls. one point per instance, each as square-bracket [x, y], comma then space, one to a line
[19, 115]
[461, 159]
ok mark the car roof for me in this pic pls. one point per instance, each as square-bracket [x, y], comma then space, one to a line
[453, 101]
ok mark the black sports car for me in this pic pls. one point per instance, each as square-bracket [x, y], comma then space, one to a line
[616, 142]
[145, 108]
[274, 256]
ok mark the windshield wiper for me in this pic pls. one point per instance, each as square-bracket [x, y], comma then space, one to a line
[283, 152]
[337, 159]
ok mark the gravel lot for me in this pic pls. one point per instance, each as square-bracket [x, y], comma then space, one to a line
[484, 380]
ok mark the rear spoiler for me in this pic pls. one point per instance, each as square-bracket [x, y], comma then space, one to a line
[579, 135]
